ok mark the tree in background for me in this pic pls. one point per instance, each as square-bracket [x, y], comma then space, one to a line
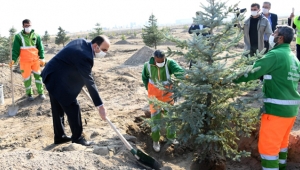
[46, 37]
[97, 31]
[151, 35]
[212, 113]
[4, 45]
[61, 37]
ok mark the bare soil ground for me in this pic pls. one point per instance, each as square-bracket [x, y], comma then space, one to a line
[26, 140]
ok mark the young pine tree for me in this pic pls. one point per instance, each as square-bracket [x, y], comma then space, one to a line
[5, 45]
[97, 31]
[151, 35]
[46, 37]
[61, 37]
[212, 113]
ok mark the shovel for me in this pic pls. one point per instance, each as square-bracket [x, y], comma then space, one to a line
[12, 110]
[142, 157]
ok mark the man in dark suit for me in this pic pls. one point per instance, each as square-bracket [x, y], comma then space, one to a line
[197, 27]
[64, 76]
[273, 19]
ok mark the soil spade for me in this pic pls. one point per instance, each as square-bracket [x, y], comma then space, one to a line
[142, 157]
[12, 110]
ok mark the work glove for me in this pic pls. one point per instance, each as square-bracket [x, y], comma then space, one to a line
[11, 63]
[42, 62]
[187, 76]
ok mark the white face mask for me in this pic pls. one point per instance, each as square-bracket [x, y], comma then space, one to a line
[160, 64]
[265, 10]
[271, 41]
[28, 29]
[101, 54]
[254, 13]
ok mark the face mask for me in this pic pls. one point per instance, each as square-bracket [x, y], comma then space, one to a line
[100, 54]
[27, 30]
[254, 13]
[265, 10]
[160, 64]
[271, 41]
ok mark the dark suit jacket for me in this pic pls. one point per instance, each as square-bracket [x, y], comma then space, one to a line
[68, 71]
[274, 20]
[195, 27]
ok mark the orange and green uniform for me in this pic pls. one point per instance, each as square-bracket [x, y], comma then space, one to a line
[30, 49]
[151, 75]
[281, 70]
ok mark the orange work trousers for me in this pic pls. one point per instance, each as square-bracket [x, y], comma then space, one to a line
[161, 95]
[274, 133]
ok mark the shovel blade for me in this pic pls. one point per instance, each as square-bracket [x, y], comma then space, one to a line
[148, 160]
[13, 110]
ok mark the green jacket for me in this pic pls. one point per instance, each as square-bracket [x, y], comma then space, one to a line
[159, 74]
[281, 70]
[31, 39]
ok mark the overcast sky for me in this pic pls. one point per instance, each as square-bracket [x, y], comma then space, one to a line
[79, 15]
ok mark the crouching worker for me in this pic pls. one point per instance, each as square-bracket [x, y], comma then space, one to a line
[281, 70]
[159, 69]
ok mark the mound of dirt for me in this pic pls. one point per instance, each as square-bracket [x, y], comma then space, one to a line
[122, 42]
[51, 51]
[132, 37]
[140, 57]
[167, 43]
[33, 159]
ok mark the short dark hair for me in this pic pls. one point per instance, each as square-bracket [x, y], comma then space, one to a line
[266, 2]
[255, 4]
[159, 54]
[287, 32]
[98, 39]
[26, 21]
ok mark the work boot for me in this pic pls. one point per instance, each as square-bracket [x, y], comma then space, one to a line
[42, 96]
[156, 146]
[174, 141]
[30, 98]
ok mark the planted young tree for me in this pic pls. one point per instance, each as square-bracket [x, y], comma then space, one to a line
[123, 37]
[212, 114]
[151, 35]
[46, 37]
[97, 31]
[61, 37]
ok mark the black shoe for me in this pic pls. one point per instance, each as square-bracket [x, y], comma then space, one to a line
[64, 139]
[84, 142]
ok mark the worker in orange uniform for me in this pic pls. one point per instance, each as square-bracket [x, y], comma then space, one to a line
[28, 45]
[159, 69]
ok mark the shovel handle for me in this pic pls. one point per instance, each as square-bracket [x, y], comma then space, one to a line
[11, 72]
[128, 146]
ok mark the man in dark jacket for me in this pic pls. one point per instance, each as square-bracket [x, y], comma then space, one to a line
[273, 20]
[197, 27]
[64, 76]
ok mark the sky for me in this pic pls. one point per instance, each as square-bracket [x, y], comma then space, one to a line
[79, 15]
